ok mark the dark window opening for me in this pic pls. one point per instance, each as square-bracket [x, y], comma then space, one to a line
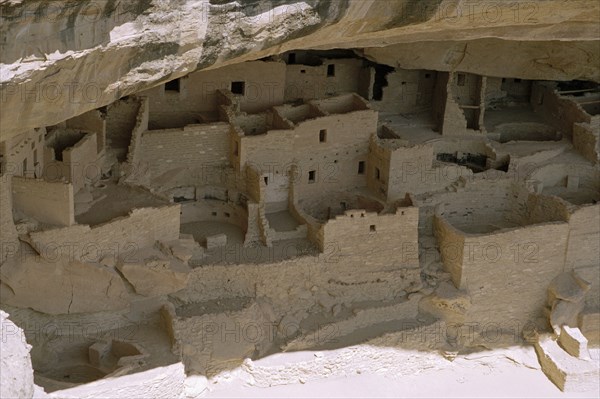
[503, 80]
[179, 199]
[266, 179]
[227, 214]
[35, 157]
[361, 167]
[372, 228]
[460, 79]
[173, 85]
[380, 81]
[377, 173]
[238, 88]
[312, 176]
[323, 135]
[236, 148]
[303, 71]
[331, 70]
[214, 213]
[291, 58]
[24, 166]
[403, 83]
[517, 80]
[427, 75]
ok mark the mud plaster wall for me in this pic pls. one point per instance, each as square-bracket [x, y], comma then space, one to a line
[93, 122]
[407, 91]
[385, 241]
[24, 154]
[561, 111]
[451, 246]
[81, 162]
[517, 263]
[308, 82]
[46, 202]
[584, 236]
[120, 120]
[9, 240]
[586, 139]
[334, 162]
[197, 98]
[141, 228]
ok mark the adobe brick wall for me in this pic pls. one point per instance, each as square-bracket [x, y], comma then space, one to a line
[308, 82]
[516, 263]
[46, 202]
[194, 146]
[197, 98]
[377, 241]
[334, 162]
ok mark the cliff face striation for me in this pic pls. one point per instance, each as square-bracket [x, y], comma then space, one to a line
[61, 58]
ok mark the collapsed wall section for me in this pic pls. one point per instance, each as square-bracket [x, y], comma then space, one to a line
[122, 236]
[93, 122]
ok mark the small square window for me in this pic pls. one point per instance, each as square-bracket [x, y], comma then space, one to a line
[303, 71]
[226, 214]
[214, 213]
[322, 135]
[372, 228]
[460, 79]
[173, 86]
[238, 88]
[427, 75]
[312, 176]
[361, 167]
[331, 70]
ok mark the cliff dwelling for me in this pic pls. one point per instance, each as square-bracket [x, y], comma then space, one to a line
[307, 199]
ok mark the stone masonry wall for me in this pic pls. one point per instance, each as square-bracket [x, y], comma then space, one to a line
[383, 241]
[123, 236]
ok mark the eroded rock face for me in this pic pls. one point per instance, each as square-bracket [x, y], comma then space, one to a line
[62, 58]
[62, 286]
[16, 378]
